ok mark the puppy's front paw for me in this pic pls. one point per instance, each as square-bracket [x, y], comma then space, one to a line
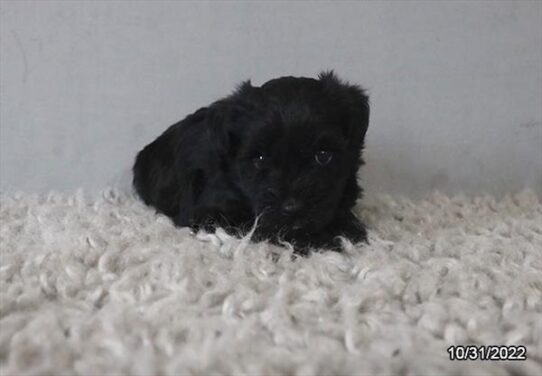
[210, 218]
[346, 226]
[352, 229]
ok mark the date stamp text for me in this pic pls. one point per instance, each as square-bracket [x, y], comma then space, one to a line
[473, 352]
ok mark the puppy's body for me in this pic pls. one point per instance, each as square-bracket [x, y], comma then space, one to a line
[286, 153]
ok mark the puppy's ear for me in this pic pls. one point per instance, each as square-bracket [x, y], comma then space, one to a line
[223, 126]
[228, 117]
[156, 172]
[355, 101]
[155, 178]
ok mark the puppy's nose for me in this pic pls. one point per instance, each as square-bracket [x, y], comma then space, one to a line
[291, 206]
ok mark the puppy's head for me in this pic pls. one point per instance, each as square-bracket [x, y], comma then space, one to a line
[294, 146]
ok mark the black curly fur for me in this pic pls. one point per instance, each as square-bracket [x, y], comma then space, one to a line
[287, 152]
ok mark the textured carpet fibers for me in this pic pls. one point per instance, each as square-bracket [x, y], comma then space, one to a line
[103, 286]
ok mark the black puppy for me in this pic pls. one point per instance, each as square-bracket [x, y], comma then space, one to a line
[285, 154]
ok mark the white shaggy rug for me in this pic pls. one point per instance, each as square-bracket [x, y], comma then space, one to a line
[104, 286]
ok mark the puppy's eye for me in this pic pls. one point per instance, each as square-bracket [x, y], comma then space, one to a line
[259, 161]
[323, 157]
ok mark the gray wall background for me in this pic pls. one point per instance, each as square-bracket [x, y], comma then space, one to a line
[456, 87]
